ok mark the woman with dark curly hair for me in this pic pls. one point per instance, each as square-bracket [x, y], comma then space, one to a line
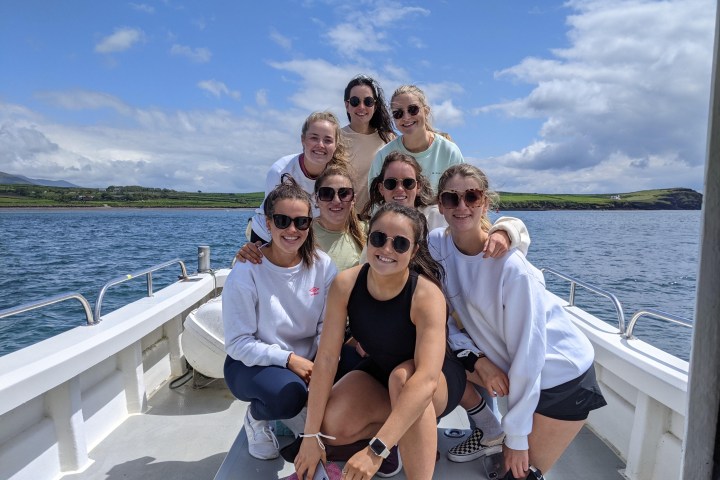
[369, 130]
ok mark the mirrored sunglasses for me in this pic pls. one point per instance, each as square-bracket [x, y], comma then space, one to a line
[367, 101]
[283, 221]
[473, 198]
[392, 183]
[412, 110]
[327, 194]
[399, 243]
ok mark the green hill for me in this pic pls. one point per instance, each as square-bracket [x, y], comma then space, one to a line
[23, 195]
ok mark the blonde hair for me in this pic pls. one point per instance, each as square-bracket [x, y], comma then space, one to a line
[353, 223]
[471, 171]
[341, 156]
[422, 99]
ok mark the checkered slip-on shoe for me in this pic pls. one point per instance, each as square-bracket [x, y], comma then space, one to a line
[474, 447]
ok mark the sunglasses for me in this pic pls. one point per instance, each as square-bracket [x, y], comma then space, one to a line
[392, 183]
[399, 243]
[367, 101]
[327, 194]
[412, 110]
[473, 198]
[283, 221]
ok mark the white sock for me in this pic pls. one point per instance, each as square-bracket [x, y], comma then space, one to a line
[485, 420]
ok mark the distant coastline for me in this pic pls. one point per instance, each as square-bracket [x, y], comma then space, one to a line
[35, 196]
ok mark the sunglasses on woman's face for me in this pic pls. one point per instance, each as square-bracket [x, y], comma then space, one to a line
[399, 243]
[327, 194]
[392, 183]
[473, 198]
[412, 110]
[367, 101]
[283, 221]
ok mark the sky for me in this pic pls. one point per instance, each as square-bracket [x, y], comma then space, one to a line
[581, 96]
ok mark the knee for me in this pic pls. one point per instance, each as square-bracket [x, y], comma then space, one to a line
[398, 378]
[290, 400]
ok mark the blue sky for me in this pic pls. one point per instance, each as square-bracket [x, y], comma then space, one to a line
[586, 96]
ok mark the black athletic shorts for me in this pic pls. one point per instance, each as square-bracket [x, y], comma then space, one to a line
[572, 400]
[452, 369]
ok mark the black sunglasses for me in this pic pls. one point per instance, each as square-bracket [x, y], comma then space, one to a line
[327, 194]
[392, 183]
[412, 110]
[399, 243]
[473, 198]
[283, 221]
[367, 101]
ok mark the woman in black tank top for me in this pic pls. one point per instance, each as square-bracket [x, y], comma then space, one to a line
[393, 397]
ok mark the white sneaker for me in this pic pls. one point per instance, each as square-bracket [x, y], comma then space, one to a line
[475, 446]
[297, 423]
[262, 442]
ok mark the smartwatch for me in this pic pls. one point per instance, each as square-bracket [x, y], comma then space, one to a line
[379, 448]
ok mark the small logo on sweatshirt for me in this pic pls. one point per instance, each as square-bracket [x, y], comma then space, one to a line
[314, 291]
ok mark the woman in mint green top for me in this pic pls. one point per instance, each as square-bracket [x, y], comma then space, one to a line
[432, 150]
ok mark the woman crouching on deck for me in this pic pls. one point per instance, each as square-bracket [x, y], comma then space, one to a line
[272, 314]
[396, 310]
[518, 325]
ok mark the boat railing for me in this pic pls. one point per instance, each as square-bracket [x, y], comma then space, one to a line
[571, 298]
[50, 301]
[650, 312]
[148, 275]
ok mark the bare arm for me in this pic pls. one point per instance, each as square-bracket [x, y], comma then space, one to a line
[428, 315]
[250, 252]
[324, 370]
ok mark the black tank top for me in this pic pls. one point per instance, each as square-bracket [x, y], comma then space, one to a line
[383, 328]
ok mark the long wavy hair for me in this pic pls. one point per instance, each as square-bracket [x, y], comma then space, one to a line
[380, 120]
[422, 262]
[288, 189]
[341, 156]
[353, 222]
[422, 100]
[425, 195]
[466, 170]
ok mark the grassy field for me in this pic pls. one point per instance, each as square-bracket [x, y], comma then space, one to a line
[140, 197]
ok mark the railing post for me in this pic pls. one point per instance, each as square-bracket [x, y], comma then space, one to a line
[149, 284]
[203, 259]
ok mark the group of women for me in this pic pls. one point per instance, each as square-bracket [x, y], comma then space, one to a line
[337, 270]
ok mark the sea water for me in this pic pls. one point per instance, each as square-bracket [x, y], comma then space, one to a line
[648, 259]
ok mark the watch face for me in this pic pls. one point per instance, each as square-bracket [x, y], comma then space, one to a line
[378, 447]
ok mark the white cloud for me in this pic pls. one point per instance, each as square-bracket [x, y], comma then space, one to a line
[349, 39]
[261, 98]
[121, 40]
[280, 39]
[618, 98]
[218, 89]
[198, 55]
[366, 33]
[188, 150]
[142, 7]
[85, 100]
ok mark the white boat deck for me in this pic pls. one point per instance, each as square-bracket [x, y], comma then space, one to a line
[197, 434]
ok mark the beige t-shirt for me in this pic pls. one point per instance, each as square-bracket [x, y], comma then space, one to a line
[362, 150]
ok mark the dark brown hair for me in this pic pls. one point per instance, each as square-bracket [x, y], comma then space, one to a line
[424, 197]
[288, 189]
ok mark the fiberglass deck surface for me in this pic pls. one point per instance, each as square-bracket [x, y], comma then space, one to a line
[197, 434]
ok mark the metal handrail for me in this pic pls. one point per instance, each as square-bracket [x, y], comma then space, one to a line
[650, 312]
[594, 289]
[148, 272]
[50, 301]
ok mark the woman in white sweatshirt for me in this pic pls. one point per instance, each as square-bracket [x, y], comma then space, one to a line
[272, 315]
[519, 326]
